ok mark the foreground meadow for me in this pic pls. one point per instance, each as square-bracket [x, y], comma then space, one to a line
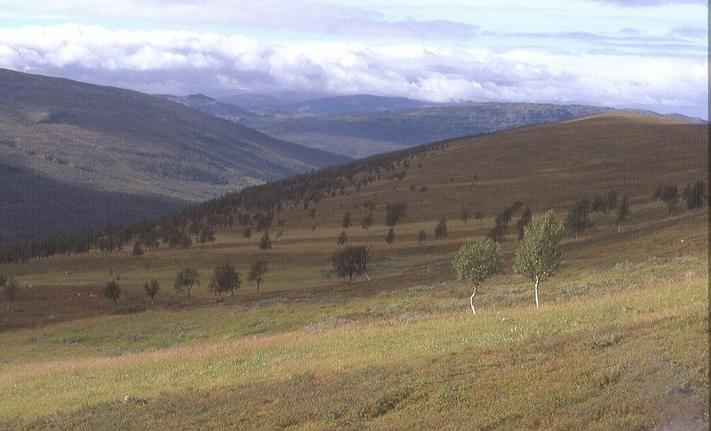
[620, 341]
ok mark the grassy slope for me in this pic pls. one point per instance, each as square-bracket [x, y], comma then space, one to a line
[619, 343]
[542, 166]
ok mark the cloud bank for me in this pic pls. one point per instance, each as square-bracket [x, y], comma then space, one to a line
[182, 62]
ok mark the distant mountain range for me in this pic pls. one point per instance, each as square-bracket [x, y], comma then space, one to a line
[363, 125]
[359, 103]
[98, 139]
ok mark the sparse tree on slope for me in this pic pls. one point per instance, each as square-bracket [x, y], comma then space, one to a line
[206, 234]
[579, 217]
[350, 260]
[367, 221]
[342, 239]
[257, 271]
[112, 291]
[394, 213]
[465, 214]
[185, 280]
[265, 243]
[225, 278]
[498, 232]
[623, 213]
[346, 223]
[440, 231]
[151, 287]
[477, 261]
[390, 237]
[694, 195]
[612, 200]
[523, 222]
[539, 253]
[137, 249]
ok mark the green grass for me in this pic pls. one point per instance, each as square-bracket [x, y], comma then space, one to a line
[620, 341]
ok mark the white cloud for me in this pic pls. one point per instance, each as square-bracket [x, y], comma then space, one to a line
[185, 62]
[295, 15]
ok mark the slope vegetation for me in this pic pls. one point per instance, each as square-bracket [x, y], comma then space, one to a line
[620, 340]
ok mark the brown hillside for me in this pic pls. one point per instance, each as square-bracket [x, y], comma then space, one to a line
[543, 166]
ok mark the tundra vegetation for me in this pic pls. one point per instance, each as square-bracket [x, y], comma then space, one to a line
[618, 341]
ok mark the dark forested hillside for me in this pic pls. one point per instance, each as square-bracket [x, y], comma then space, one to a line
[119, 140]
[33, 206]
[76, 156]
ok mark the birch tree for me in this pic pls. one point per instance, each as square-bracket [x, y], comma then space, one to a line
[476, 262]
[539, 254]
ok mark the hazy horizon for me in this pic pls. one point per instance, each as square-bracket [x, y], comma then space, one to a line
[639, 54]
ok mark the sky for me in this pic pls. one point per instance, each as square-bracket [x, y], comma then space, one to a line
[642, 54]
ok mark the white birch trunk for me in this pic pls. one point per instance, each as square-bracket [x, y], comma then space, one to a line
[536, 289]
[471, 301]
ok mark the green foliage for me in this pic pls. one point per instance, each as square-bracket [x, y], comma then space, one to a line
[539, 253]
[523, 222]
[350, 260]
[185, 280]
[476, 261]
[257, 271]
[151, 288]
[112, 291]
[498, 232]
[225, 278]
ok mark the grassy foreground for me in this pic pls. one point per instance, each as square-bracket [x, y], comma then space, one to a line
[620, 342]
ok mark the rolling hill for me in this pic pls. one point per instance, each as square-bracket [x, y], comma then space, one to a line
[105, 139]
[546, 165]
[619, 341]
